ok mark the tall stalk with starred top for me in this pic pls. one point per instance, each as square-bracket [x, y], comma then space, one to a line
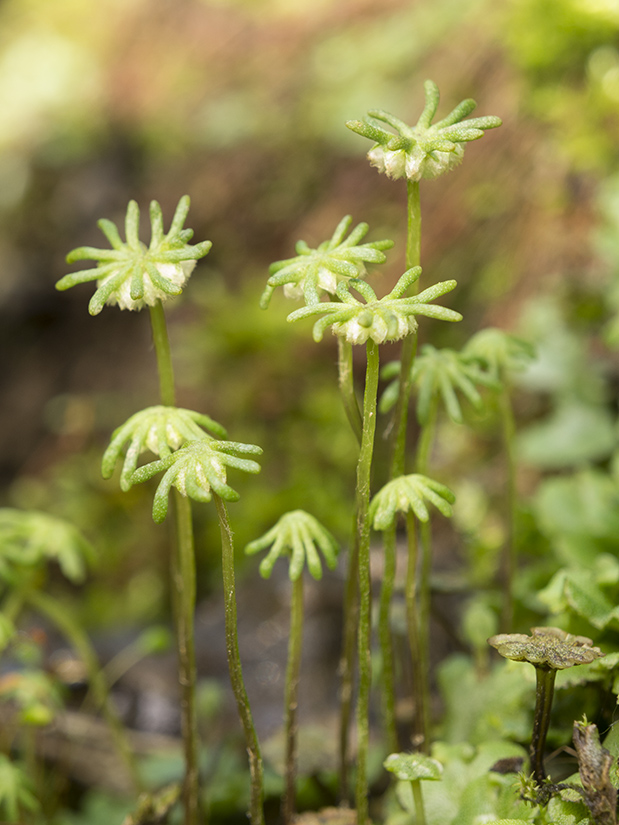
[311, 274]
[425, 150]
[131, 276]
[371, 322]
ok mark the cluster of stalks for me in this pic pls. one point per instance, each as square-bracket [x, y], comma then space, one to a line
[193, 461]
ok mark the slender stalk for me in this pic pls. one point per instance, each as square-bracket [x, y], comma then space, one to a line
[420, 682]
[347, 661]
[61, 617]
[386, 643]
[351, 609]
[364, 471]
[349, 647]
[420, 812]
[424, 447]
[543, 702]
[183, 571]
[11, 608]
[164, 357]
[183, 575]
[409, 345]
[347, 389]
[256, 814]
[413, 224]
[426, 439]
[293, 669]
[510, 561]
[397, 468]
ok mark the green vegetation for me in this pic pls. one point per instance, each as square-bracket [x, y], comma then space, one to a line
[460, 480]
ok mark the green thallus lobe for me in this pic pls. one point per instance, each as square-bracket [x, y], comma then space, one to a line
[299, 536]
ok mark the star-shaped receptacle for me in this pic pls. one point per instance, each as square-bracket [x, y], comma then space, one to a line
[440, 372]
[28, 538]
[197, 470]
[158, 429]
[314, 271]
[409, 493]
[424, 150]
[297, 536]
[387, 319]
[131, 274]
[499, 352]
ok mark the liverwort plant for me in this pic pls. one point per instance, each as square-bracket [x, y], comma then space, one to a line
[131, 274]
[194, 462]
[198, 471]
[372, 322]
[410, 769]
[422, 151]
[438, 376]
[548, 649]
[425, 150]
[408, 495]
[160, 430]
[315, 272]
[298, 536]
[29, 542]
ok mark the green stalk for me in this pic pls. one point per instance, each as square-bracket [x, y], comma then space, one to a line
[397, 468]
[183, 574]
[386, 643]
[351, 607]
[61, 617]
[510, 562]
[409, 345]
[364, 471]
[183, 571]
[346, 384]
[413, 224]
[424, 447]
[164, 357]
[293, 669]
[420, 812]
[543, 702]
[417, 649]
[256, 814]
[11, 608]
[347, 661]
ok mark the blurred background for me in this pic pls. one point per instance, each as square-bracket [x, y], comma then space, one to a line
[241, 104]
